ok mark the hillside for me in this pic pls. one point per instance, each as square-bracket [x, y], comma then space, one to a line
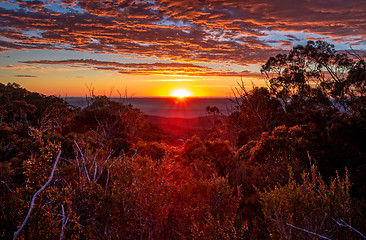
[184, 128]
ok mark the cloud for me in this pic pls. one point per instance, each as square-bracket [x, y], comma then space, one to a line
[198, 31]
[176, 69]
[171, 80]
[25, 76]
[34, 68]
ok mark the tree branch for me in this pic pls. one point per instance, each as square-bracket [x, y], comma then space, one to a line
[82, 157]
[344, 224]
[304, 230]
[35, 195]
[64, 221]
[6, 185]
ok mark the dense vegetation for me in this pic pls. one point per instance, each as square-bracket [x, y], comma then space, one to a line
[289, 162]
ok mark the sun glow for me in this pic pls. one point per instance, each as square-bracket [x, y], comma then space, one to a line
[181, 93]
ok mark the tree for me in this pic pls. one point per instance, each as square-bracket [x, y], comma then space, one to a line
[256, 112]
[19, 104]
[107, 124]
[316, 76]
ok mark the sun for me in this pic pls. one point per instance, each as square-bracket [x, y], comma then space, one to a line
[181, 93]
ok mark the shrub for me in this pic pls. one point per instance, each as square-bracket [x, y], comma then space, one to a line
[309, 204]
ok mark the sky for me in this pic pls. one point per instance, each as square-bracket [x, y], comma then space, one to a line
[155, 48]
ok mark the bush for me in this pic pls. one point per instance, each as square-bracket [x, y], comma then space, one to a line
[309, 204]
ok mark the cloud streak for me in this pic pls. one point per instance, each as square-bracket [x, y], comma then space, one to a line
[174, 69]
[25, 76]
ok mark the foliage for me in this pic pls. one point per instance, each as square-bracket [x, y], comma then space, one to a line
[257, 112]
[18, 104]
[309, 204]
[316, 76]
[154, 150]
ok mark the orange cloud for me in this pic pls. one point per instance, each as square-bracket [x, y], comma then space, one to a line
[25, 76]
[214, 30]
[177, 69]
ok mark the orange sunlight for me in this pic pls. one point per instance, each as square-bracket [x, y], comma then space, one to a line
[181, 93]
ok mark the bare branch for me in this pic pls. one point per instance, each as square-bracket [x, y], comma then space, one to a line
[35, 195]
[304, 230]
[344, 224]
[82, 157]
[6, 185]
[134, 155]
[64, 221]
